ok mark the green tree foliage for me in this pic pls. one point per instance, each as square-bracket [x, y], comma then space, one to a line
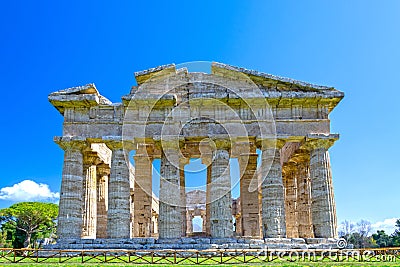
[382, 239]
[396, 235]
[27, 221]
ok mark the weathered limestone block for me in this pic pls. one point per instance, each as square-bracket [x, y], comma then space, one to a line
[143, 191]
[103, 172]
[71, 197]
[249, 195]
[170, 217]
[323, 203]
[118, 218]
[273, 198]
[220, 196]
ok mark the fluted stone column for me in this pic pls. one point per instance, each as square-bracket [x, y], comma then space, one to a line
[182, 163]
[249, 199]
[90, 160]
[143, 190]
[189, 222]
[170, 217]
[103, 172]
[71, 196]
[118, 217]
[273, 198]
[220, 192]
[304, 199]
[323, 204]
[208, 200]
[291, 194]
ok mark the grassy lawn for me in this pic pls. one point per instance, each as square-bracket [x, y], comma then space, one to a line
[168, 261]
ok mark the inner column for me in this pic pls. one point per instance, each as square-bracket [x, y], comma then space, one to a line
[90, 160]
[291, 193]
[182, 163]
[142, 200]
[103, 172]
[248, 195]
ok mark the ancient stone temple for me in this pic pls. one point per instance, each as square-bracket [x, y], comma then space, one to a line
[278, 129]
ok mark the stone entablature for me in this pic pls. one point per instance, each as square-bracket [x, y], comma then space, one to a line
[230, 113]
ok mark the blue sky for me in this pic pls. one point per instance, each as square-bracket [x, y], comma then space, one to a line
[352, 45]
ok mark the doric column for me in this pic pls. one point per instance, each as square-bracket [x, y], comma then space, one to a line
[290, 182]
[143, 190]
[118, 217]
[182, 163]
[90, 160]
[189, 222]
[103, 172]
[323, 208]
[206, 159]
[207, 229]
[249, 195]
[273, 198]
[220, 192]
[71, 197]
[304, 198]
[170, 217]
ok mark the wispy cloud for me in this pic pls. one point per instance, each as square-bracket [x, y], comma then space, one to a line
[28, 190]
[388, 225]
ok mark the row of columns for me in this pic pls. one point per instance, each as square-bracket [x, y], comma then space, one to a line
[299, 204]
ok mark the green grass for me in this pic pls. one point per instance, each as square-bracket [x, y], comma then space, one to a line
[167, 261]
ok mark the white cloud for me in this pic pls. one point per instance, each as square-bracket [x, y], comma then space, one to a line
[28, 190]
[388, 225]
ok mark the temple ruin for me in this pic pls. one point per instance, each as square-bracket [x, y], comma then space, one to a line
[278, 129]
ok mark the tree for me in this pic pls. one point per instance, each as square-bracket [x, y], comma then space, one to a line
[357, 234]
[346, 229]
[382, 239]
[396, 235]
[29, 220]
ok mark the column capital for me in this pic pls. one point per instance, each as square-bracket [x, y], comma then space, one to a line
[315, 141]
[243, 145]
[144, 149]
[91, 158]
[270, 143]
[170, 142]
[116, 143]
[103, 169]
[71, 142]
[183, 161]
[299, 156]
[222, 144]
